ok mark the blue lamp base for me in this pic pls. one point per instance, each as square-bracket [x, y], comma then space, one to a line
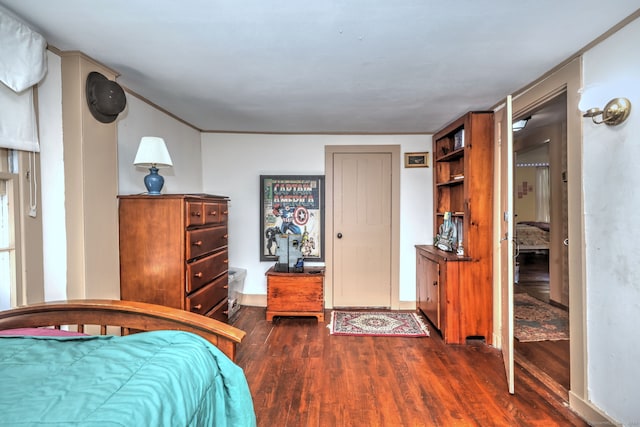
[153, 182]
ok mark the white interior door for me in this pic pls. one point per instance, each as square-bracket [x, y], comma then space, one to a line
[362, 230]
[505, 140]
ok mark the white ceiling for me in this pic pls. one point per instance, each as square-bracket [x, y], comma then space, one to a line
[356, 66]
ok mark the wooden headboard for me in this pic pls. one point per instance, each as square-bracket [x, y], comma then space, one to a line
[128, 315]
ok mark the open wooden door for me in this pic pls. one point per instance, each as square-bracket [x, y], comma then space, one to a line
[505, 140]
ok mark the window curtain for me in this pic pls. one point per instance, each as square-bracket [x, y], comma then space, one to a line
[23, 63]
[543, 194]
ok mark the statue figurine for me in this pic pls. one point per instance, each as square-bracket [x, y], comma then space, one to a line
[447, 234]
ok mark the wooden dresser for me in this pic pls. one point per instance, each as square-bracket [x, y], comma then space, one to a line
[295, 294]
[173, 252]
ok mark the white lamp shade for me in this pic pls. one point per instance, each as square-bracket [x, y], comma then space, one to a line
[152, 151]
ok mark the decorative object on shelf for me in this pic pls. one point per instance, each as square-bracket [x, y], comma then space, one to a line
[371, 323]
[458, 139]
[292, 204]
[153, 153]
[105, 98]
[416, 160]
[289, 253]
[615, 112]
[446, 239]
[459, 231]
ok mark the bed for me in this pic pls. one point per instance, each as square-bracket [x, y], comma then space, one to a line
[146, 365]
[532, 236]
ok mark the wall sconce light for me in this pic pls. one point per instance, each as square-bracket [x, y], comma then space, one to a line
[153, 153]
[615, 112]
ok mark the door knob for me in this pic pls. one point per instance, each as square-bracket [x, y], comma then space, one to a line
[339, 235]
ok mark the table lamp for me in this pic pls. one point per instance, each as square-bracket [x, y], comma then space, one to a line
[153, 153]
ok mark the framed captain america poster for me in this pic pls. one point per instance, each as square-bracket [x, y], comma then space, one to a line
[292, 204]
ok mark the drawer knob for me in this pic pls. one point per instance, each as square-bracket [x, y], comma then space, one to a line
[225, 287]
[197, 307]
[214, 213]
[226, 261]
[226, 312]
[198, 274]
[197, 213]
[226, 236]
[197, 243]
[225, 212]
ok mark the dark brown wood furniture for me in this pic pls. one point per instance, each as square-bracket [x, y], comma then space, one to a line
[126, 316]
[455, 292]
[295, 294]
[173, 252]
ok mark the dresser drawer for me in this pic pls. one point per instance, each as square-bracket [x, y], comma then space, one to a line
[202, 241]
[201, 272]
[194, 213]
[220, 312]
[202, 301]
[213, 212]
[201, 213]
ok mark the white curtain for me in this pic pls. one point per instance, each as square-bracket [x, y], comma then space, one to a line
[543, 194]
[23, 63]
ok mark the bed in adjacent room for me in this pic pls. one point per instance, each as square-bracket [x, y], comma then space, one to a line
[532, 236]
[174, 374]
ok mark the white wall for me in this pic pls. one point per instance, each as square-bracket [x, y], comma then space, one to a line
[232, 165]
[612, 230]
[51, 181]
[183, 142]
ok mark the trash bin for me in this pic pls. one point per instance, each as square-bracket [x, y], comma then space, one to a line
[236, 286]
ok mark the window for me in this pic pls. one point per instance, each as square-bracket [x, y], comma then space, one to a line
[9, 231]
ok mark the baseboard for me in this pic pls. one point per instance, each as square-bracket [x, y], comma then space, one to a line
[407, 305]
[592, 415]
[253, 300]
[261, 301]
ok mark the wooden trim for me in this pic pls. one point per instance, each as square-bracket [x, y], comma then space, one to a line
[124, 314]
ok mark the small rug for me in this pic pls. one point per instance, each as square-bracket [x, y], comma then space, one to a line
[377, 324]
[538, 321]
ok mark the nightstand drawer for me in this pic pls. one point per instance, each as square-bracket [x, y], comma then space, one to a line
[202, 241]
[209, 296]
[201, 272]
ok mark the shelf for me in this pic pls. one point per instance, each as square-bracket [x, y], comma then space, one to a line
[450, 183]
[456, 154]
[454, 214]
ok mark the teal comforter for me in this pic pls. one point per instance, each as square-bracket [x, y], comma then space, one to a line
[164, 378]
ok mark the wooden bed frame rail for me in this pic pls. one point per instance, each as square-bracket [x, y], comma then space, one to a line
[127, 315]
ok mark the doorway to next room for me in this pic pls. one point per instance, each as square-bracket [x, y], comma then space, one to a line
[541, 224]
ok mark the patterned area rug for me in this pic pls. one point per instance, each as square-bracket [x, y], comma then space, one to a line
[377, 324]
[538, 321]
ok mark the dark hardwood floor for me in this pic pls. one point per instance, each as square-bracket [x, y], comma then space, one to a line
[547, 359]
[300, 376]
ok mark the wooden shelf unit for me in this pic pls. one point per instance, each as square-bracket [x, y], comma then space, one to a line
[455, 292]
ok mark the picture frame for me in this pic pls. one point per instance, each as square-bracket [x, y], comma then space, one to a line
[416, 160]
[292, 204]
